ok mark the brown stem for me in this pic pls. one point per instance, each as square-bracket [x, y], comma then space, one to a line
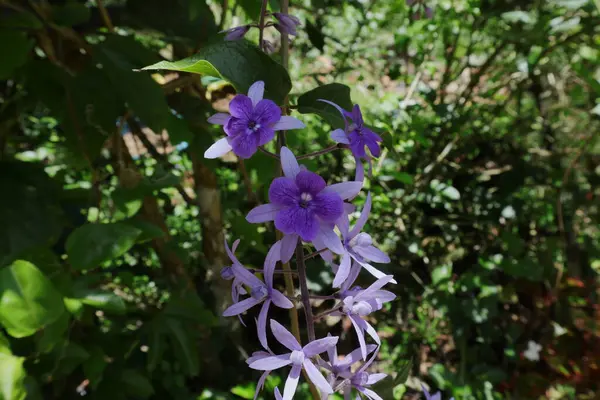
[320, 152]
[261, 23]
[105, 16]
[267, 152]
[301, 268]
[251, 195]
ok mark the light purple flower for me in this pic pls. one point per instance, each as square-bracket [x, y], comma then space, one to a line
[358, 303]
[287, 23]
[298, 358]
[260, 292]
[356, 134]
[236, 33]
[358, 246]
[361, 381]
[428, 396]
[302, 205]
[252, 122]
[341, 367]
[228, 273]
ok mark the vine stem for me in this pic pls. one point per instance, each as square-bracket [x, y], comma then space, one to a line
[261, 23]
[320, 152]
[303, 281]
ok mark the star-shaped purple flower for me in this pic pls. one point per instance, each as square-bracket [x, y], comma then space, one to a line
[298, 358]
[252, 123]
[341, 366]
[361, 381]
[358, 246]
[287, 23]
[303, 206]
[260, 292]
[356, 134]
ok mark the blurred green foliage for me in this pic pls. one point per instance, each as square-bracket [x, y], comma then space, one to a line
[486, 196]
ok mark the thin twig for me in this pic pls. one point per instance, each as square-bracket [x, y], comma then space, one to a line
[314, 254]
[224, 7]
[105, 16]
[301, 268]
[247, 182]
[267, 152]
[320, 152]
[261, 23]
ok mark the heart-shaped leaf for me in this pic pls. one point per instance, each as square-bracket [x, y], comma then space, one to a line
[337, 93]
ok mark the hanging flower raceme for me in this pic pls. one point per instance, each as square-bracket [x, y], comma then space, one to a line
[251, 122]
[260, 292]
[303, 206]
[299, 358]
[358, 246]
[286, 23]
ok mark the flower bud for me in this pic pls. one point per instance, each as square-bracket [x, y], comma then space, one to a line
[236, 33]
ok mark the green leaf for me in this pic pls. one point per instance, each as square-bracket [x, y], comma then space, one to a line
[28, 300]
[337, 93]
[21, 20]
[15, 50]
[136, 384]
[93, 367]
[70, 355]
[53, 334]
[184, 347]
[93, 244]
[71, 13]
[244, 391]
[315, 34]
[148, 229]
[237, 62]
[12, 377]
[107, 301]
[178, 130]
[441, 273]
[4, 344]
[404, 177]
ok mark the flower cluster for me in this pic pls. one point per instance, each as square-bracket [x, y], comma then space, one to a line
[309, 213]
[286, 24]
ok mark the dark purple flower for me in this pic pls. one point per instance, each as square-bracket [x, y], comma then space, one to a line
[359, 247]
[252, 123]
[356, 134]
[302, 205]
[236, 33]
[298, 358]
[260, 292]
[287, 23]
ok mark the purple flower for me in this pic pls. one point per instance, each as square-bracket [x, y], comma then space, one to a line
[252, 123]
[341, 367]
[358, 303]
[359, 247]
[236, 33]
[298, 358]
[287, 23]
[302, 205]
[228, 273]
[260, 292]
[361, 380]
[428, 396]
[356, 134]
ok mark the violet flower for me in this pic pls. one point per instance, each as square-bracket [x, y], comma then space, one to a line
[341, 367]
[298, 358]
[261, 292]
[287, 23]
[252, 123]
[361, 381]
[358, 246]
[228, 273]
[358, 303]
[303, 206]
[236, 33]
[428, 396]
[356, 135]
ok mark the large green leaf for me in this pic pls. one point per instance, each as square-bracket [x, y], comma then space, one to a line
[12, 378]
[184, 346]
[239, 63]
[337, 93]
[4, 344]
[28, 300]
[53, 334]
[136, 384]
[92, 244]
[107, 301]
[93, 367]
[15, 49]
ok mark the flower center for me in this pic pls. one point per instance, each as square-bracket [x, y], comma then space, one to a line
[253, 126]
[305, 198]
[361, 240]
[297, 357]
[259, 292]
[227, 273]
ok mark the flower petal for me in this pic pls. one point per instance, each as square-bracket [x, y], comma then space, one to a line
[309, 182]
[364, 216]
[373, 271]
[316, 377]
[280, 300]
[357, 116]
[291, 383]
[284, 336]
[263, 213]
[261, 324]
[240, 307]
[360, 335]
[266, 113]
[340, 109]
[278, 395]
[288, 247]
[374, 378]
[235, 127]
[372, 253]
[230, 254]
[219, 118]
[271, 363]
[330, 239]
[378, 284]
[369, 329]
[346, 190]
[273, 256]
[332, 353]
[218, 149]
[354, 271]
[256, 92]
[355, 356]
[298, 220]
[286, 123]
[241, 107]
[289, 164]
[319, 346]
[261, 383]
[343, 270]
[339, 136]
[265, 135]
[283, 192]
[244, 146]
[370, 394]
[328, 206]
[246, 276]
[360, 170]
